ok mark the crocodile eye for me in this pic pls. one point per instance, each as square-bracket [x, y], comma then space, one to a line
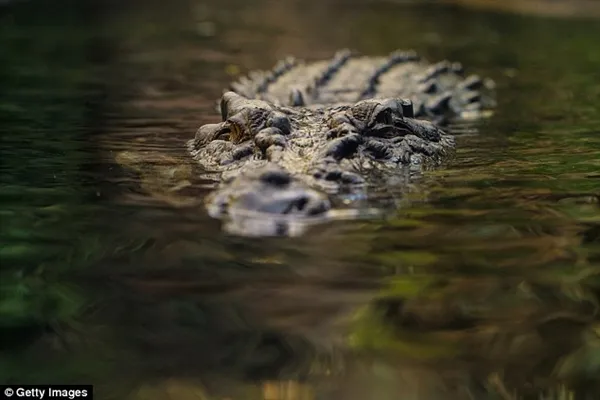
[235, 133]
[224, 134]
[384, 117]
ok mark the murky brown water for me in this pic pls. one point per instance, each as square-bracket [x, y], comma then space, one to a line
[483, 282]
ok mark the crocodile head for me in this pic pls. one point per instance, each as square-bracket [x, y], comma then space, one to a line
[282, 161]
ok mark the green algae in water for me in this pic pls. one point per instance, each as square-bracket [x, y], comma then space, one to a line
[370, 333]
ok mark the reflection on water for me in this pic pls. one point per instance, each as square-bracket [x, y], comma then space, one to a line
[482, 283]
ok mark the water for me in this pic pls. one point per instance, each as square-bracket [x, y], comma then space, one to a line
[484, 283]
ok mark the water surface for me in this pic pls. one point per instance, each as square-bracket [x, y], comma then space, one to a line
[482, 282]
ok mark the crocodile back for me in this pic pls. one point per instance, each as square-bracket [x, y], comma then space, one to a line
[439, 91]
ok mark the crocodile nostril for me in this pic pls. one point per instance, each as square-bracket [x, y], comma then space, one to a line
[298, 205]
[276, 178]
[301, 203]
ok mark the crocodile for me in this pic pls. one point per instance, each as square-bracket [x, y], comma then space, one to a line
[293, 138]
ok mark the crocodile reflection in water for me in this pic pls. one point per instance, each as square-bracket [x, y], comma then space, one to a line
[293, 137]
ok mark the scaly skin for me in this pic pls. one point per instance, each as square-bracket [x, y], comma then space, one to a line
[438, 91]
[285, 147]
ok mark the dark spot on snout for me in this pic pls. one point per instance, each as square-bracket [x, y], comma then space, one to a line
[307, 204]
[276, 178]
[298, 203]
[333, 175]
